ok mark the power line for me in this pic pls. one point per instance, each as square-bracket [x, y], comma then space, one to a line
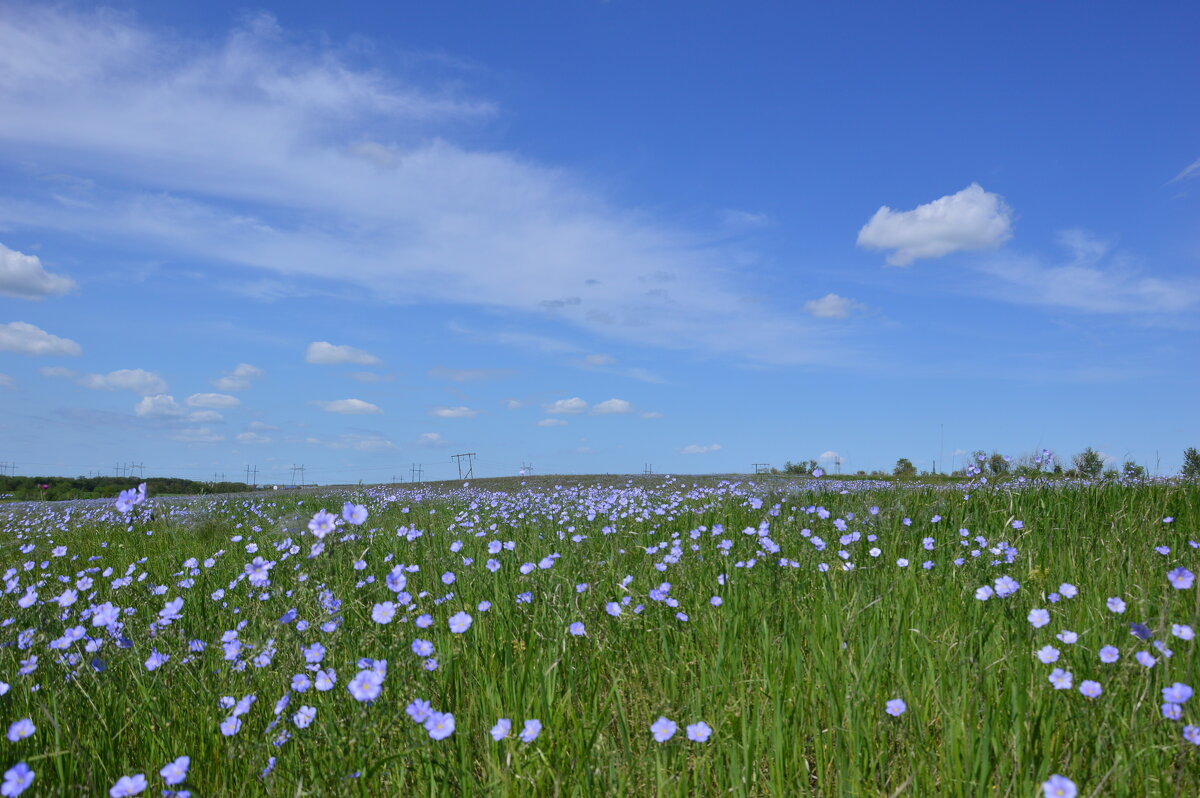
[470, 464]
[762, 468]
[417, 472]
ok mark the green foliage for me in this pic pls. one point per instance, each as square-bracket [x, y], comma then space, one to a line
[60, 488]
[802, 468]
[1191, 463]
[1088, 463]
[904, 469]
[792, 672]
[1132, 470]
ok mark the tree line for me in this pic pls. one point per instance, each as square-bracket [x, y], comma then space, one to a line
[1089, 464]
[58, 488]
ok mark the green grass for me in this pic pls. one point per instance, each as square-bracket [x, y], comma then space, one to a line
[792, 672]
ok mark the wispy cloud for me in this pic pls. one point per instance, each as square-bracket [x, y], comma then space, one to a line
[454, 412]
[696, 448]
[831, 306]
[324, 353]
[137, 381]
[239, 379]
[352, 407]
[612, 407]
[570, 406]
[362, 442]
[468, 375]
[1092, 278]
[184, 136]
[220, 401]
[1191, 170]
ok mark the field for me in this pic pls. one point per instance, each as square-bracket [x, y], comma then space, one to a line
[664, 636]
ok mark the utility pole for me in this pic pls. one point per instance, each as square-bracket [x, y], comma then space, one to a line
[837, 462]
[470, 464]
[418, 472]
[302, 474]
[648, 470]
[526, 468]
[762, 468]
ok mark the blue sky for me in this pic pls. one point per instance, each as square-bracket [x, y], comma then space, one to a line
[593, 236]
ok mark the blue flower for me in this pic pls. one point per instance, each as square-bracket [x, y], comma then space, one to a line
[16, 779]
[533, 727]
[896, 707]
[663, 729]
[175, 772]
[128, 785]
[501, 729]
[1059, 787]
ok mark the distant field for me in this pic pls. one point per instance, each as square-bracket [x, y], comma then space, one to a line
[647, 636]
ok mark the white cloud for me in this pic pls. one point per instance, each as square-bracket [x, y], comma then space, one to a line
[611, 407]
[971, 219]
[566, 406]
[652, 414]
[23, 276]
[158, 406]
[138, 381]
[828, 456]
[468, 375]
[371, 378]
[353, 407]
[252, 437]
[7, 382]
[261, 426]
[197, 435]
[1191, 170]
[514, 404]
[362, 442]
[205, 417]
[744, 220]
[324, 353]
[454, 412]
[179, 137]
[600, 360]
[239, 379]
[698, 449]
[1092, 279]
[552, 422]
[831, 306]
[25, 338]
[220, 401]
[432, 440]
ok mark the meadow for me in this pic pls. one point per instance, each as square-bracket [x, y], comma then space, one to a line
[650, 636]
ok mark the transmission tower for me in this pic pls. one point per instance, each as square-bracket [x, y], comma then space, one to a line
[762, 468]
[470, 464]
[418, 472]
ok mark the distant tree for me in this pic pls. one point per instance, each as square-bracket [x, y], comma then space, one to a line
[1191, 462]
[998, 464]
[1132, 470]
[904, 469]
[1088, 463]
